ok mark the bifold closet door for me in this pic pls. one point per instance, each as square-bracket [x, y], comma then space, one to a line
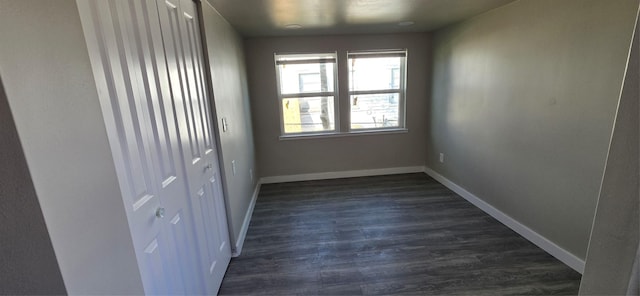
[150, 142]
[183, 49]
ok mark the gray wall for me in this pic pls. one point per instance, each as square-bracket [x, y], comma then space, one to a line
[27, 262]
[315, 155]
[228, 73]
[48, 80]
[523, 104]
[616, 228]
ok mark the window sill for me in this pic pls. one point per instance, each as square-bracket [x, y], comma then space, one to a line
[344, 134]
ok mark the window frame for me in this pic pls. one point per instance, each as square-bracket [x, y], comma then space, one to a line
[401, 91]
[300, 95]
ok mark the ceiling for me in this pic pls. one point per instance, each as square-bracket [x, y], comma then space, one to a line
[315, 17]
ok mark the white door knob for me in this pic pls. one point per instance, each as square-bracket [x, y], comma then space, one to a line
[160, 213]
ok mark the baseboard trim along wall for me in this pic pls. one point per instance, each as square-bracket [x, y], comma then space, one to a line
[342, 174]
[556, 251]
[246, 222]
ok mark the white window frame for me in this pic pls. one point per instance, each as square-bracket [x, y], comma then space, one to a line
[299, 58]
[401, 91]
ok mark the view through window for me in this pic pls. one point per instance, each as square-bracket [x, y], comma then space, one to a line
[307, 90]
[376, 89]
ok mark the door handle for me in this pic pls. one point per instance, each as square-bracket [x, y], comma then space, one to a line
[208, 167]
[160, 213]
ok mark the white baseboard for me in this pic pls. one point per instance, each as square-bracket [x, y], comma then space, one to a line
[246, 222]
[342, 174]
[550, 247]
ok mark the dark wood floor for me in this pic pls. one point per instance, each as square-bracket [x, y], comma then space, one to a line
[400, 234]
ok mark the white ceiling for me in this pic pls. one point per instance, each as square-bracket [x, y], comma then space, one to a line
[271, 17]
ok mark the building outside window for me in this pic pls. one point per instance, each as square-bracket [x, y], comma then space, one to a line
[307, 92]
[309, 99]
[376, 89]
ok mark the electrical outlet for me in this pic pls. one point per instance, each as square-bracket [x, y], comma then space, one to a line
[233, 167]
[442, 157]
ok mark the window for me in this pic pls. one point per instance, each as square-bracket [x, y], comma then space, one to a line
[307, 92]
[376, 89]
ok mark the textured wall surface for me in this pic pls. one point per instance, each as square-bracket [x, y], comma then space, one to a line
[27, 261]
[334, 154]
[523, 105]
[229, 77]
[616, 228]
[47, 76]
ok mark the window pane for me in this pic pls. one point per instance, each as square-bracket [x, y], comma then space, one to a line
[375, 111]
[374, 73]
[306, 78]
[313, 114]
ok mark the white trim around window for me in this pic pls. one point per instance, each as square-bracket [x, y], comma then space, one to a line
[309, 101]
[379, 79]
[307, 89]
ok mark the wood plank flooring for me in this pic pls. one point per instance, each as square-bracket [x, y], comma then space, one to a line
[398, 234]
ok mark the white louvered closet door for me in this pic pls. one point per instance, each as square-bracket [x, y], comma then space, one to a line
[151, 136]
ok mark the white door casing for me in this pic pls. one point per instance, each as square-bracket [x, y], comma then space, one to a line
[146, 123]
[183, 49]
